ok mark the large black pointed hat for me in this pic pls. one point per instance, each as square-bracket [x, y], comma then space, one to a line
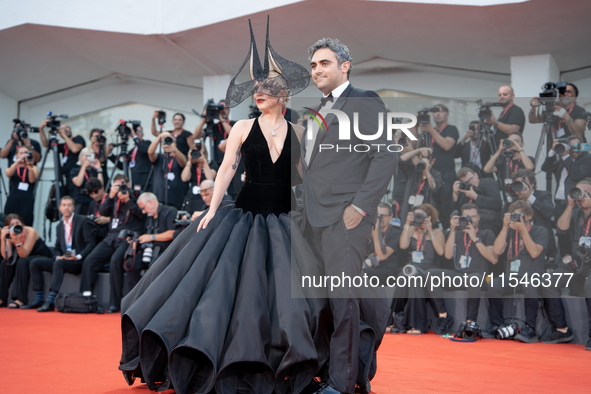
[277, 76]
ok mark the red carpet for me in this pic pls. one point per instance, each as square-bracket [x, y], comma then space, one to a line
[68, 353]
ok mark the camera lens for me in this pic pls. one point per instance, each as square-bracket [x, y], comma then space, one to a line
[518, 186]
[576, 194]
[168, 140]
[507, 143]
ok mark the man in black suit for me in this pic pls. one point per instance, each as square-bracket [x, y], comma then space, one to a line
[342, 190]
[76, 237]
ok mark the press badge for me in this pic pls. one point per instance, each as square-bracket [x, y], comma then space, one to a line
[196, 190]
[465, 262]
[395, 222]
[132, 164]
[170, 176]
[515, 264]
[115, 223]
[416, 200]
[64, 160]
[417, 257]
[586, 241]
[23, 186]
[560, 132]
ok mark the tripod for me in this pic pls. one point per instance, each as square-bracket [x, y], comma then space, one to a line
[549, 124]
[121, 161]
[57, 180]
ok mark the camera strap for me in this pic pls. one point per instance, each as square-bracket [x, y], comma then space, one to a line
[516, 165]
[198, 172]
[440, 131]
[505, 111]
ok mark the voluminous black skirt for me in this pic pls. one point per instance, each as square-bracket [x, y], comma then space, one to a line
[222, 310]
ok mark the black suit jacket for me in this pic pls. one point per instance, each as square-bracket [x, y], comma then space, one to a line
[578, 169]
[333, 180]
[83, 237]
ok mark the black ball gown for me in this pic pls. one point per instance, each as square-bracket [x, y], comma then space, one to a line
[221, 310]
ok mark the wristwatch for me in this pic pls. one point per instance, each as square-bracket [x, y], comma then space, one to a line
[477, 240]
[153, 237]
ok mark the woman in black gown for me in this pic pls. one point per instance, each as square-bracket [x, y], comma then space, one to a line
[222, 308]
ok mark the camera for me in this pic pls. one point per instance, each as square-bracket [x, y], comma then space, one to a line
[465, 185]
[577, 194]
[196, 153]
[255, 112]
[468, 331]
[580, 259]
[562, 146]
[70, 253]
[508, 331]
[516, 216]
[148, 249]
[411, 270]
[29, 156]
[91, 217]
[123, 188]
[101, 139]
[507, 144]
[372, 261]
[518, 186]
[161, 117]
[124, 131]
[421, 166]
[582, 147]
[168, 140]
[464, 221]
[125, 234]
[418, 219]
[17, 229]
[423, 115]
[212, 110]
[54, 123]
[403, 140]
[484, 109]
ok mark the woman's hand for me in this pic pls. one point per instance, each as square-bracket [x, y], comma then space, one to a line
[206, 219]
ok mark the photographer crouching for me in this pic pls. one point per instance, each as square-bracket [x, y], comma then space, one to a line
[576, 221]
[525, 244]
[143, 249]
[125, 215]
[471, 250]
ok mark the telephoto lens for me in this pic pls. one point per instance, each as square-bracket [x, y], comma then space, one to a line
[148, 251]
[508, 331]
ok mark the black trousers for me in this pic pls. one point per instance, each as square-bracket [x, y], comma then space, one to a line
[474, 292]
[416, 305]
[531, 301]
[20, 289]
[107, 252]
[7, 272]
[352, 343]
[56, 267]
[553, 303]
[117, 274]
[564, 242]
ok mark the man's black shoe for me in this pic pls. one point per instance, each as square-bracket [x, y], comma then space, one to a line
[527, 335]
[443, 325]
[47, 307]
[364, 390]
[558, 337]
[33, 305]
[491, 332]
[113, 309]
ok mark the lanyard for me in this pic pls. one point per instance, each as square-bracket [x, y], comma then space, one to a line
[505, 111]
[68, 237]
[198, 173]
[467, 244]
[397, 209]
[516, 165]
[420, 239]
[118, 206]
[134, 153]
[421, 184]
[518, 241]
[475, 154]
[440, 131]
[97, 213]
[66, 150]
[169, 166]
[24, 176]
[588, 225]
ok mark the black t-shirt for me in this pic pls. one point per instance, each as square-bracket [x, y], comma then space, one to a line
[513, 166]
[578, 227]
[12, 153]
[176, 187]
[392, 239]
[181, 141]
[76, 192]
[164, 222]
[139, 163]
[475, 262]
[69, 158]
[513, 116]
[444, 160]
[525, 262]
[576, 113]
[219, 134]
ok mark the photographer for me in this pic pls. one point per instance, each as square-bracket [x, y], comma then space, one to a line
[87, 167]
[474, 150]
[181, 136]
[96, 191]
[443, 142]
[511, 120]
[144, 249]
[425, 245]
[202, 172]
[22, 175]
[20, 138]
[139, 163]
[484, 193]
[69, 149]
[569, 166]
[219, 132]
[576, 221]
[524, 188]
[513, 158]
[166, 179]
[19, 245]
[76, 237]
[125, 215]
[423, 182]
[571, 118]
[98, 144]
[207, 194]
[525, 244]
[471, 250]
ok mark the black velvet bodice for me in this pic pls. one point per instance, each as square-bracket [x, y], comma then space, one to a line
[267, 188]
